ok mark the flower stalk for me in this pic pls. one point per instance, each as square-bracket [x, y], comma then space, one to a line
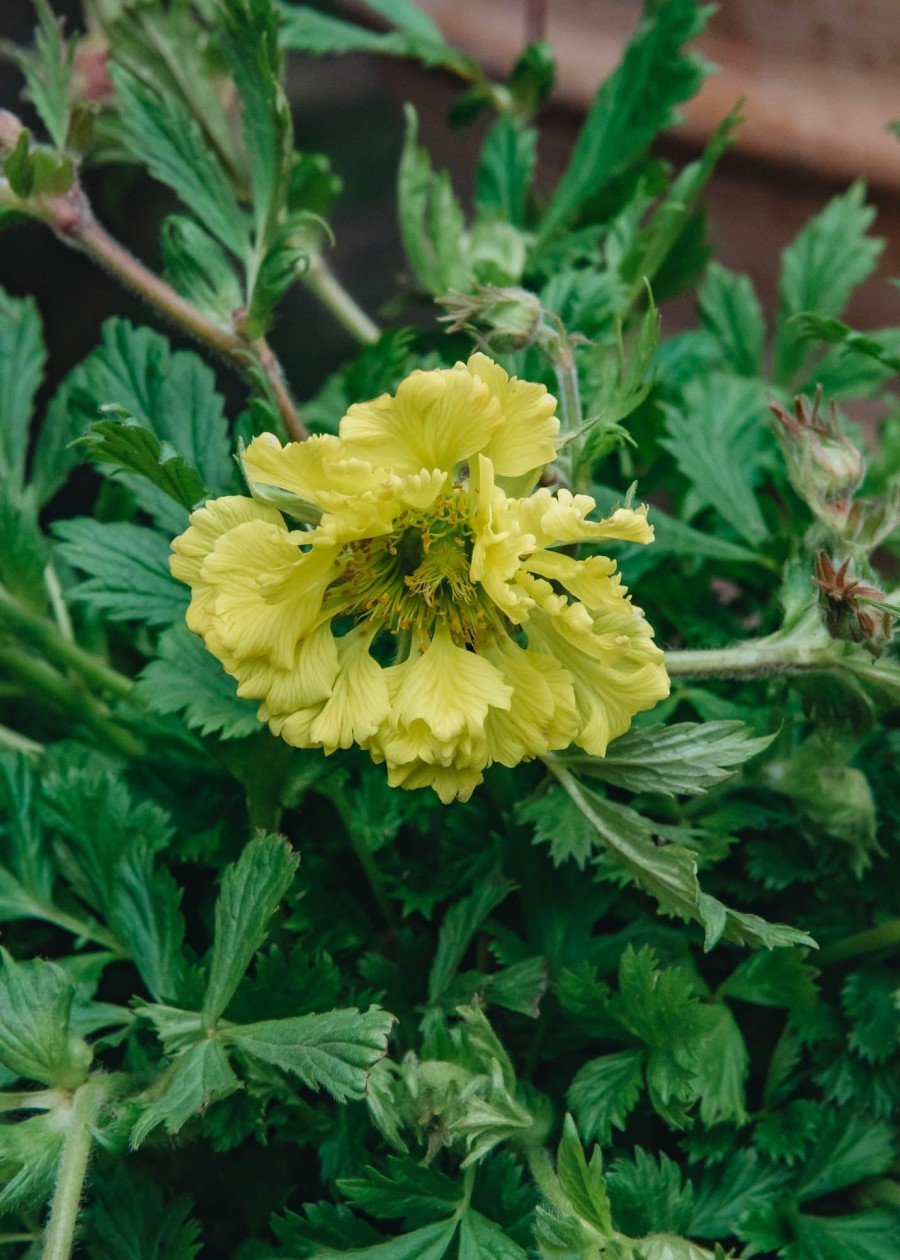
[59, 1238]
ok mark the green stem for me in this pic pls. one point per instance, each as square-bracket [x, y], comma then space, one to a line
[61, 649]
[884, 936]
[757, 658]
[62, 695]
[321, 280]
[60, 1234]
[571, 415]
[19, 743]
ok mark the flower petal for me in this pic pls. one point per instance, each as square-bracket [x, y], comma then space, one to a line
[359, 701]
[525, 441]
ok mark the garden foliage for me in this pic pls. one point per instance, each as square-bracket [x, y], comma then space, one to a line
[644, 1006]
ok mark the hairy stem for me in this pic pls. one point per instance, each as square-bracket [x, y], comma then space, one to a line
[72, 219]
[753, 658]
[884, 936]
[59, 1238]
[321, 280]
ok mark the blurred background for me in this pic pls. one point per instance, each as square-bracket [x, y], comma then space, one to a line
[821, 81]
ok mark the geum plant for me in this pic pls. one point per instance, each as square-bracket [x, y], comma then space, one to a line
[403, 1051]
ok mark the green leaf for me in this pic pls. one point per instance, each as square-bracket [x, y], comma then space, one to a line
[729, 308]
[250, 44]
[648, 1196]
[669, 873]
[723, 1064]
[505, 171]
[520, 987]
[163, 136]
[406, 1188]
[459, 927]
[870, 999]
[185, 678]
[197, 266]
[133, 1219]
[307, 30]
[335, 1050]
[22, 357]
[36, 1042]
[24, 550]
[583, 1184]
[171, 394]
[431, 219]
[778, 978]
[681, 759]
[836, 332]
[48, 73]
[867, 1235]
[726, 1191]
[820, 270]
[604, 1091]
[128, 570]
[637, 101]
[250, 892]
[849, 1148]
[125, 444]
[406, 16]
[428, 1243]
[482, 1239]
[557, 821]
[200, 1076]
[716, 440]
[29, 1158]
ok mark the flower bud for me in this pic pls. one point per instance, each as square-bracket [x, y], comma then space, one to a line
[850, 608]
[824, 466]
[11, 128]
[505, 319]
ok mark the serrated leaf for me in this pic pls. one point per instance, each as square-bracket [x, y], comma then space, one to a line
[868, 1235]
[198, 267]
[124, 443]
[186, 678]
[24, 551]
[431, 220]
[819, 271]
[557, 821]
[133, 1219]
[849, 1148]
[680, 759]
[128, 570]
[199, 1077]
[29, 1158]
[22, 357]
[48, 73]
[728, 1190]
[730, 309]
[406, 1189]
[505, 170]
[428, 1243]
[669, 873]
[780, 978]
[459, 927]
[870, 999]
[635, 102]
[307, 30]
[581, 1182]
[249, 894]
[716, 440]
[162, 135]
[334, 1051]
[648, 1195]
[604, 1091]
[723, 1065]
[482, 1239]
[36, 1042]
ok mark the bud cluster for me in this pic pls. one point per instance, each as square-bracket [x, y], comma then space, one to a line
[850, 607]
[824, 466]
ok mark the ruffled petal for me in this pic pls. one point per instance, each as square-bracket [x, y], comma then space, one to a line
[525, 441]
[359, 701]
[542, 714]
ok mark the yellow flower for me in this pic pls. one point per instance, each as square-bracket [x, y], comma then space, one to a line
[401, 587]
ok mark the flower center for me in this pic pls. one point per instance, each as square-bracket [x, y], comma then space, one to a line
[419, 574]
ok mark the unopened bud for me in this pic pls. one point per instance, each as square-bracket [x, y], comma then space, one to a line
[505, 319]
[850, 607]
[824, 466]
[11, 128]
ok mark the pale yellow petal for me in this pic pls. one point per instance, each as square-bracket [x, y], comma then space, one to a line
[525, 441]
[452, 783]
[499, 545]
[308, 680]
[437, 419]
[542, 714]
[593, 581]
[359, 700]
[562, 518]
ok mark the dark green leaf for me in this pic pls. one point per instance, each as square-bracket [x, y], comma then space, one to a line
[482, 1239]
[128, 570]
[249, 894]
[868, 1235]
[336, 1050]
[22, 358]
[681, 759]
[48, 73]
[604, 1091]
[408, 1188]
[716, 441]
[636, 101]
[133, 1219]
[819, 271]
[581, 1182]
[505, 170]
[428, 1243]
[849, 1148]
[200, 1076]
[730, 310]
[198, 268]
[125, 444]
[649, 1196]
[36, 1042]
[778, 978]
[186, 678]
[459, 927]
